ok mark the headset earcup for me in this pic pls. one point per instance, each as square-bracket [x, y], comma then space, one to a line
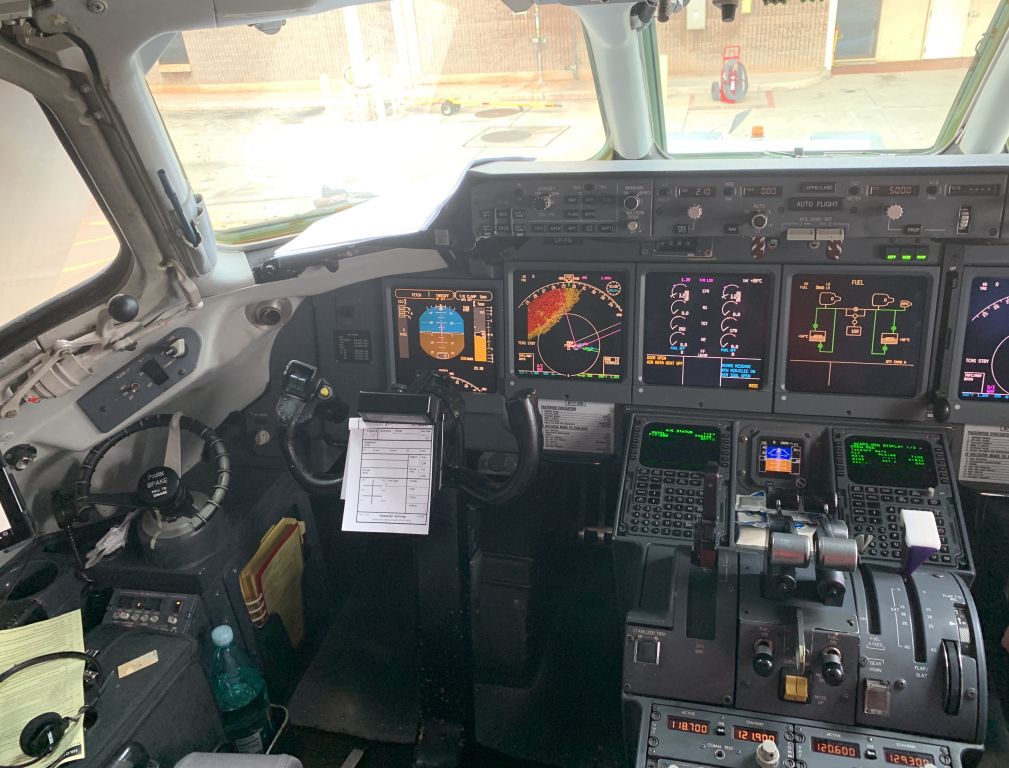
[42, 734]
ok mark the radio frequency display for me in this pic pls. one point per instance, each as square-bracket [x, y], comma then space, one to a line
[855, 335]
[570, 325]
[984, 365]
[706, 329]
[449, 330]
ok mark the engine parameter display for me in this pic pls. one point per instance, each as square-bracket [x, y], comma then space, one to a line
[753, 734]
[890, 461]
[984, 365]
[904, 757]
[857, 335]
[779, 458]
[836, 748]
[679, 446]
[706, 329]
[570, 325]
[445, 329]
[688, 725]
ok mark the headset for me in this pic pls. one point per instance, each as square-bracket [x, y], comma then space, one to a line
[43, 734]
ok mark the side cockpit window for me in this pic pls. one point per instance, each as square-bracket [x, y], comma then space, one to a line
[54, 237]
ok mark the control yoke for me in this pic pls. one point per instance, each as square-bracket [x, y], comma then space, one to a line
[304, 395]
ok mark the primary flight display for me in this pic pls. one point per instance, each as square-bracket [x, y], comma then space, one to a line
[570, 325]
[445, 329]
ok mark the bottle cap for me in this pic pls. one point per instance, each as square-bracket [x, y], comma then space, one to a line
[222, 636]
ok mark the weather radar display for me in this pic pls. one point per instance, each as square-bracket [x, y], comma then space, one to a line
[570, 325]
[984, 365]
[448, 330]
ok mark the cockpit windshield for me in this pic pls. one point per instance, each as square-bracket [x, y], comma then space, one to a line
[855, 75]
[289, 121]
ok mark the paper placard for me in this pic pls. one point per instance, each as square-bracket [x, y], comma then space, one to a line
[127, 668]
[984, 457]
[576, 426]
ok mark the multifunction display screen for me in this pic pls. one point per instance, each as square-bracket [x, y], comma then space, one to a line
[679, 446]
[570, 325]
[445, 329]
[707, 329]
[890, 462]
[855, 334]
[984, 364]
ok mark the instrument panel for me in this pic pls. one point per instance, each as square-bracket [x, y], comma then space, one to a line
[752, 286]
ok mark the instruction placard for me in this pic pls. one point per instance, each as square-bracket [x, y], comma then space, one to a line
[575, 426]
[985, 455]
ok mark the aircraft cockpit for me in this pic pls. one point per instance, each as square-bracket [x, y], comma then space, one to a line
[436, 383]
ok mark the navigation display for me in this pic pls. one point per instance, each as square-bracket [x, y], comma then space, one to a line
[984, 365]
[445, 329]
[679, 446]
[852, 334]
[707, 329]
[890, 461]
[570, 325]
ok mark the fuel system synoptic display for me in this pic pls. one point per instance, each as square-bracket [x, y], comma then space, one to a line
[984, 365]
[570, 325]
[852, 334]
[706, 330]
[449, 330]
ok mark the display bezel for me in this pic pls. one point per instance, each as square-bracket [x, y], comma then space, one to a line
[862, 406]
[753, 401]
[484, 402]
[971, 411]
[573, 389]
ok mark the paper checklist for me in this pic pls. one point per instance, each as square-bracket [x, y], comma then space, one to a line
[388, 478]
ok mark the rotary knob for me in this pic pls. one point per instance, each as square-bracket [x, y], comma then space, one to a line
[542, 202]
[894, 211]
[695, 212]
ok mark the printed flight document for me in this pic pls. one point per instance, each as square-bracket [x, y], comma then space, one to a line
[56, 686]
[388, 478]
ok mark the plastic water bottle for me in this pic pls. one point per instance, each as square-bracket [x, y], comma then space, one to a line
[240, 691]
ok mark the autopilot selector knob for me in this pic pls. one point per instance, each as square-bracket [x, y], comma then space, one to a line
[832, 669]
[695, 212]
[763, 657]
[894, 211]
[768, 755]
